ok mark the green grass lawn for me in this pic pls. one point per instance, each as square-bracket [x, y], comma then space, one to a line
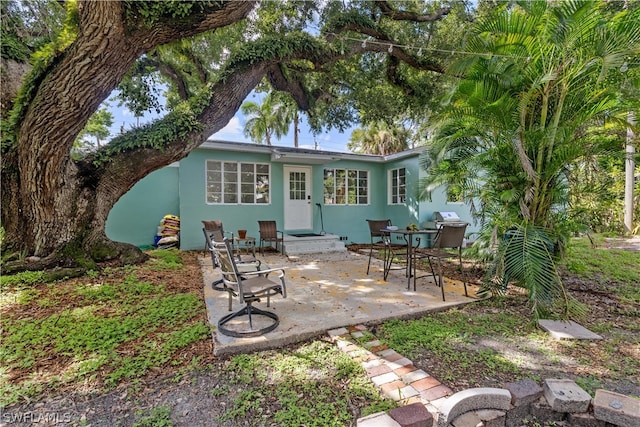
[106, 327]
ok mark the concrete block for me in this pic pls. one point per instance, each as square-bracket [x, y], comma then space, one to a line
[435, 405]
[357, 334]
[524, 392]
[473, 399]
[542, 412]
[414, 415]
[379, 419]
[565, 396]
[616, 408]
[349, 348]
[415, 399]
[376, 370]
[390, 355]
[584, 419]
[399, 363]
[372, 344]
[433, 409]
[371, 363]
[405, 370]
[340, 343]
[427, 383]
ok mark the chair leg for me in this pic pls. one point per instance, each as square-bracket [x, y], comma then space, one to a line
[464, 276]
[386, 262]
[230, 298]
[218, 285]
[415, 270]
[441, 277]
[433, 273]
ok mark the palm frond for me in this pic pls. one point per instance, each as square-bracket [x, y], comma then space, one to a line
[525, 257]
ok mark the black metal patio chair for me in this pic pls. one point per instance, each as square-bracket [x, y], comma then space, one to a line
[250, 288]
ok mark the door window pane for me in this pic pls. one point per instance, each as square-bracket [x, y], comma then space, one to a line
[297, 186]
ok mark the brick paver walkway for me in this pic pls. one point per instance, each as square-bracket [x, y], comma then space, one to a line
[394, 374]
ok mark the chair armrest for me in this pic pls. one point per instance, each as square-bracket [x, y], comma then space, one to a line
[267, 271]
[248, 267]
[250, 259]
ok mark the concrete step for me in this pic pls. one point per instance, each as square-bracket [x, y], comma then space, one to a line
[294, 245]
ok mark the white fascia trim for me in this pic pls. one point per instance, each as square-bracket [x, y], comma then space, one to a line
[404, 154]
[288, 151]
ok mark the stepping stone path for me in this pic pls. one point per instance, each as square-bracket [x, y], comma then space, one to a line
[560, 329]
[425, 402]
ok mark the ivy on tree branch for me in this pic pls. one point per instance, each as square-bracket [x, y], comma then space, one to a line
[400, 15]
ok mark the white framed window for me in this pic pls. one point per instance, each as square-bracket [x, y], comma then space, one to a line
[237, 183]
[346, 187]
[397, 186]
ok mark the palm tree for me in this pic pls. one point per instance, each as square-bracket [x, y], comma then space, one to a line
[379, 138]
[518, 119]
[265, 120]
[288, 113]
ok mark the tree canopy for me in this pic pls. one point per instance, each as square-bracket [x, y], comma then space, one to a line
[336, 60]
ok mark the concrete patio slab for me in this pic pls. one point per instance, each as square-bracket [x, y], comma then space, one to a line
[329, 291]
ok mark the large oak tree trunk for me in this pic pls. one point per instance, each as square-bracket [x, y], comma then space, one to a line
[54, 207]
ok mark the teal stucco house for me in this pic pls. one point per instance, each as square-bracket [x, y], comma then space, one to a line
[304, 191]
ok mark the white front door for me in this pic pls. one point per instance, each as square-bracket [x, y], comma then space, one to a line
[297, 198]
